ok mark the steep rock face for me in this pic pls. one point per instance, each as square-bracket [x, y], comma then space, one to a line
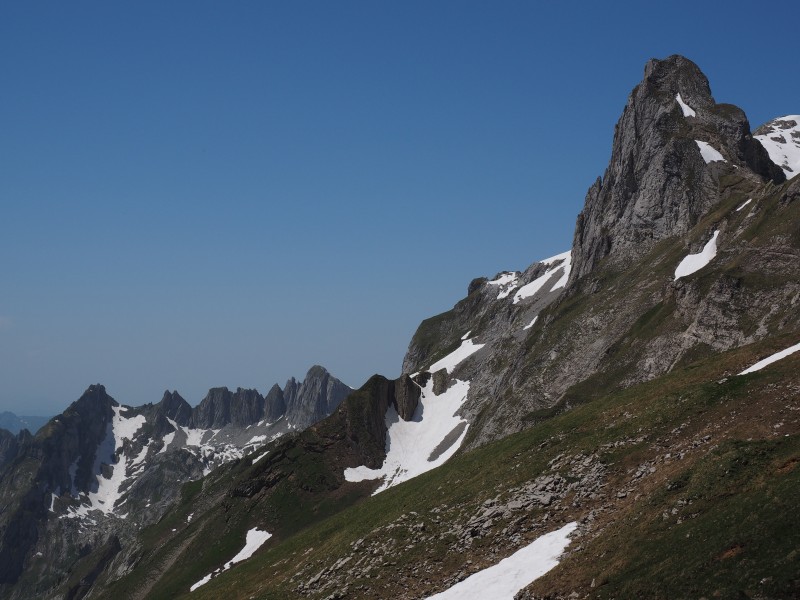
[274, 404]
[623, 317]
[303, 404]
[69, 442]
[658, 184]
[364, 415]
[174, 407]
[314, 399]
[221, 407]
[60, 458]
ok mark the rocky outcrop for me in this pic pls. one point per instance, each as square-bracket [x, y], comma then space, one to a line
[657, 184]
[623, 318]
[361, 417]
[303, 404]
[174, 407]
[314, 399]
[274, 404]
[69, 442]
[221, 407]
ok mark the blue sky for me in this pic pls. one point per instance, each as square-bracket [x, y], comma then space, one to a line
[197, 194]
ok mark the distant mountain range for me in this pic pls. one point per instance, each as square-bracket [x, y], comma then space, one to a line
[11, 422]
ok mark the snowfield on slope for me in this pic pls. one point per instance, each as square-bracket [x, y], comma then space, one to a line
[782, 143]
[562, 261]
[507, 282]
[427, 441]
[531, 324]
[685, 108]
[709, 153]
[694, 262]
[771, 359]
[503, 580]
[107, 491]
[254, 540]
[449, 362]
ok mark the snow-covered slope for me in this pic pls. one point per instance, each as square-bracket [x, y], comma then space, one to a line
[428, 440]
[709, 153]
[555, 263]
[781, 138]
[503, 580]
[128, 451]
[433, 434]
[771, 359]
[111, 474]
[694, 262]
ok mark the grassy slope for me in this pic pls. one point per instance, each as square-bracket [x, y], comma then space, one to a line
[311, 519]
[737, 524]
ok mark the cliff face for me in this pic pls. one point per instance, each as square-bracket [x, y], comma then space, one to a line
[302, 404]
[658, 184]
[315, 398]
[221, 407]
[611, 312]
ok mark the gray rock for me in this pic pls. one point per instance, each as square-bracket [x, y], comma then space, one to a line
[657, 185]
[314, 399]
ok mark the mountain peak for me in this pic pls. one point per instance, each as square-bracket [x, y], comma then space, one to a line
[677, 74]
[671, 145]
[175, 407]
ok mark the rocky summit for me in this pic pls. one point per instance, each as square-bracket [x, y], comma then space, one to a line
[619, 420]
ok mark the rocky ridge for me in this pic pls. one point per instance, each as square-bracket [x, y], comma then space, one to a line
[100, 471]
[658, 201]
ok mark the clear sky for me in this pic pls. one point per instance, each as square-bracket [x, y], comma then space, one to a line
[197, 193]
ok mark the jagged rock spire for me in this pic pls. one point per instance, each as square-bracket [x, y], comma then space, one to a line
[657, 183]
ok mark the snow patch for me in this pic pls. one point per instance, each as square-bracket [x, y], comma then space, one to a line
[421, 444]
[567, 266]
[782, 143]
[167, 441]
[771, 359]
[507, 282]
[451, 361]
[254, 540]
[529, 325]
[687, 110]
[695, 262]
[107, 491]
[503, 580]
[562, 261]
[709, 153]
[749, 200]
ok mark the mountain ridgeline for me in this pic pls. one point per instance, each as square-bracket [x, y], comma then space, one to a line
[601, 392]
[95, 474]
